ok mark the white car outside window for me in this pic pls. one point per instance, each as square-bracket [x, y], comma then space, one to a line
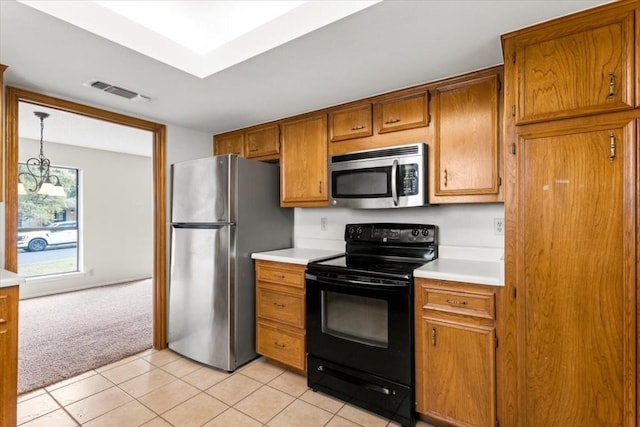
[58, 233]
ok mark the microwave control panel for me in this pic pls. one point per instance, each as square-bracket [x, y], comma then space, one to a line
[409, 179]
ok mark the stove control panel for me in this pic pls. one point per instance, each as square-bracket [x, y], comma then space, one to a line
[390, 233]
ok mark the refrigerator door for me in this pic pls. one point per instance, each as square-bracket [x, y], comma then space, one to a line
[200, 309]
[200, 190]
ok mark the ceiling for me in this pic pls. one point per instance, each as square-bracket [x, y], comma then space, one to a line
[382, 47]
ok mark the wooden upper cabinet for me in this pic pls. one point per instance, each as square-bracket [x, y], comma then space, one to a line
[574, 67]
[303, 162]
[229, 143]
[262, 142]
[466, 130]
[349, 123]
[407, 112]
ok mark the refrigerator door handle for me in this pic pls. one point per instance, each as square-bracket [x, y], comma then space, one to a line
[201, 225]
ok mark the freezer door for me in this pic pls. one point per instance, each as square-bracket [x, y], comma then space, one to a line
[200, 295]
[200, 190]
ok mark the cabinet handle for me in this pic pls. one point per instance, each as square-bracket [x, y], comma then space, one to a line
[278, 305]
[433, 336]
[612, 147]
[612, 84]
[358, 127]
[277, 344]
[320, 187]
[446, 177]
[279, 276]
[455, 302]
[390, 121]
[253, 150]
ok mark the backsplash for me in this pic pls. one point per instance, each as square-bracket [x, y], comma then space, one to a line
[460, 225]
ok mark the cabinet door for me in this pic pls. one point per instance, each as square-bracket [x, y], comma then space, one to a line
[403, 113]
[458, 373]
[349, 123]
[8, 355]
[303, 162]
[263, 141]
[575, 68]
[231, 143]
[577, 189]
[466, 137]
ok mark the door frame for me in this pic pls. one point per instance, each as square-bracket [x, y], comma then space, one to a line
[13, 97]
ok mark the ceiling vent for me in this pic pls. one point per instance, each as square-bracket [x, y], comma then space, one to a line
[116, 90]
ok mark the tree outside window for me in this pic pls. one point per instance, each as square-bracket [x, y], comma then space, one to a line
[48, 228]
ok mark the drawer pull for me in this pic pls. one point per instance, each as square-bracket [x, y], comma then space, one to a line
[3, 320]
[278, 305]
[455, 302]
[253, 150]
[277, 344]
[279, 276]
[357, 127]
[390, 121]
[433, 336]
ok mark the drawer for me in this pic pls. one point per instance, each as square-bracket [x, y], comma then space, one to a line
[283, 346]
[281, 307]
[281, 276]
[467, 303]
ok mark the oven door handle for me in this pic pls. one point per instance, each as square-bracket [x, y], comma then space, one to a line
[352, 283]
[394, 183]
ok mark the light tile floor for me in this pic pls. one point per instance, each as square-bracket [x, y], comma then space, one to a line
[161, 388]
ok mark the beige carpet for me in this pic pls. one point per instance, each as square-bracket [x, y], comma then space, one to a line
[67, 334]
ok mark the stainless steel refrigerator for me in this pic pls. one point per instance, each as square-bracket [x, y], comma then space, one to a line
[223, 209]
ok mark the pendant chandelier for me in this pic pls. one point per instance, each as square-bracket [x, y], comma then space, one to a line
[38, 178]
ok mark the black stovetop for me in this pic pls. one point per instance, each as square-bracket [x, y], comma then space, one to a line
[383, 249]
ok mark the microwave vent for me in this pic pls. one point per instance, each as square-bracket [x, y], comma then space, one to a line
[370, 154]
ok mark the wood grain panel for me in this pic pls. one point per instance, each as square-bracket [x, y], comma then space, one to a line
[303, 167]
[2, 68]
[9, 356]
[262, 141]
[351, 122]
[281, 307]
[286, 346]
[229, 143]
[403, 113]
[458, 378]
[466, 137]
[577, 68]
[578, 305]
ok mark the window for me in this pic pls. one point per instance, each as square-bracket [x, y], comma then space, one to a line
[48, 227]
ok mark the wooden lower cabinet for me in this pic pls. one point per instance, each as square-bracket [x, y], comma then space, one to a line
[8, 355]
[280, 313]
[455, 353]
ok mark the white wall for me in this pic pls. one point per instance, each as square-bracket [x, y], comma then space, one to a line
[461, 225]
[115, 212]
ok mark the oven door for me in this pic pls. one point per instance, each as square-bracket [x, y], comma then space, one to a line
[361, 325]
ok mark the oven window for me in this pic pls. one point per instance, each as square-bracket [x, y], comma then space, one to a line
[370, 182]
[356, 318]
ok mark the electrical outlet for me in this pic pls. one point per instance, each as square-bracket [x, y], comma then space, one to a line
[323, 224]
[498, 226]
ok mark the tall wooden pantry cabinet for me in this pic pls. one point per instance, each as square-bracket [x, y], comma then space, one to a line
[571, 204]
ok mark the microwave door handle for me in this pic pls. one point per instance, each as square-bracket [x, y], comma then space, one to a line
[394, 182]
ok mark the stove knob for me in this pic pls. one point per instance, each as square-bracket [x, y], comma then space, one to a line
[351, 231]
[415, 232]
[359, 231]
[425, 232]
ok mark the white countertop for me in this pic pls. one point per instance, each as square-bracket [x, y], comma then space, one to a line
[8, 278]
[462, 270]
[300, 256]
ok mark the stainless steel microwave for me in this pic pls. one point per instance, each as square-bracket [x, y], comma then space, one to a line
[393, 177]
